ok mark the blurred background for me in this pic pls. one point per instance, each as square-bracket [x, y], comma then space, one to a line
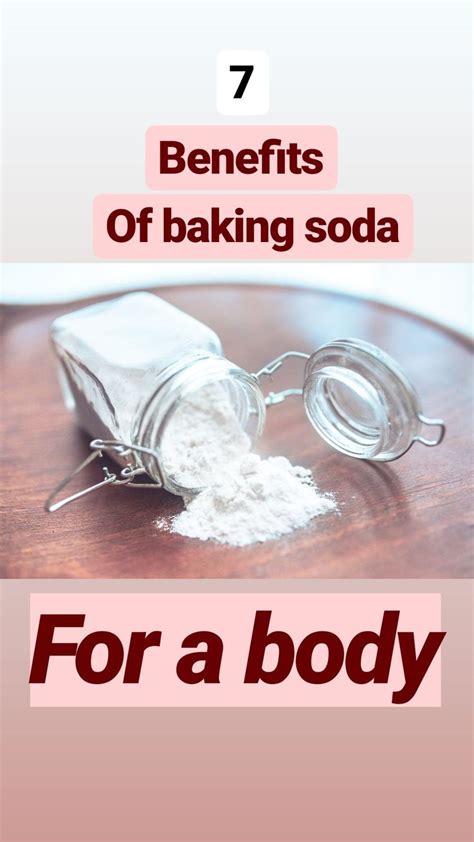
[441, 292]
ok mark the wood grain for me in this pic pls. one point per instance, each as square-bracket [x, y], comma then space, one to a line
[409, 519]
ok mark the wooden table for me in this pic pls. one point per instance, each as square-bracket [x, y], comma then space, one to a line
[407, 519]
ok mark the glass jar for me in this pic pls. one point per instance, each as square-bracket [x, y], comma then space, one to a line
[127, 365]
[361, 402]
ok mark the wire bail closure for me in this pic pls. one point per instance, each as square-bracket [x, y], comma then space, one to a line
[269, 370]
[125, 477]
[431, 422]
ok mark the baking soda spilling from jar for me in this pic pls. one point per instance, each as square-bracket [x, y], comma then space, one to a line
[127, 370]
[244, 499]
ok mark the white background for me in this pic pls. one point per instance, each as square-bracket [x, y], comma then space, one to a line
[84, 80]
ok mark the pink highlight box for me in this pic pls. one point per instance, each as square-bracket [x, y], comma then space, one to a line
[231, 616]
[236, 138]
[296, 208]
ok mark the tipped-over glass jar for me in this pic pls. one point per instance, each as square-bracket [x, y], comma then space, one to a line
[126, 366]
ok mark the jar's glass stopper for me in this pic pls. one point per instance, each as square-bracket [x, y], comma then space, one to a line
[358, 399]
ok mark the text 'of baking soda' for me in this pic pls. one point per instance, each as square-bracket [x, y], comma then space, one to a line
[270, 658]
[239, 227]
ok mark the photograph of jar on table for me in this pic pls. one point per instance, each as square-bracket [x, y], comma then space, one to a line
[242, 430]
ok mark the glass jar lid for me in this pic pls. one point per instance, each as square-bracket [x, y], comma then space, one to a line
[361, 402]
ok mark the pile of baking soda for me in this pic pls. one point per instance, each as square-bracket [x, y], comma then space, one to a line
[239, 498]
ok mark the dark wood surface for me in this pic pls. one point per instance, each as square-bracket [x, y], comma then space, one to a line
[408, 519]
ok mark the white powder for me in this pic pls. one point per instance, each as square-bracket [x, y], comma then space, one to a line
[203, 435]
[245, 499]
[255, 500]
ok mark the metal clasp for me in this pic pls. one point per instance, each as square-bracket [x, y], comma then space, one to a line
[269, 370]
[125, 477]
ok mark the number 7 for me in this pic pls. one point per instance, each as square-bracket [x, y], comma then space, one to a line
[246, 70]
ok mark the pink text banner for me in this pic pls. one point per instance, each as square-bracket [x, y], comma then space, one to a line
[253, 227]
[222, 650]
[241, 158]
